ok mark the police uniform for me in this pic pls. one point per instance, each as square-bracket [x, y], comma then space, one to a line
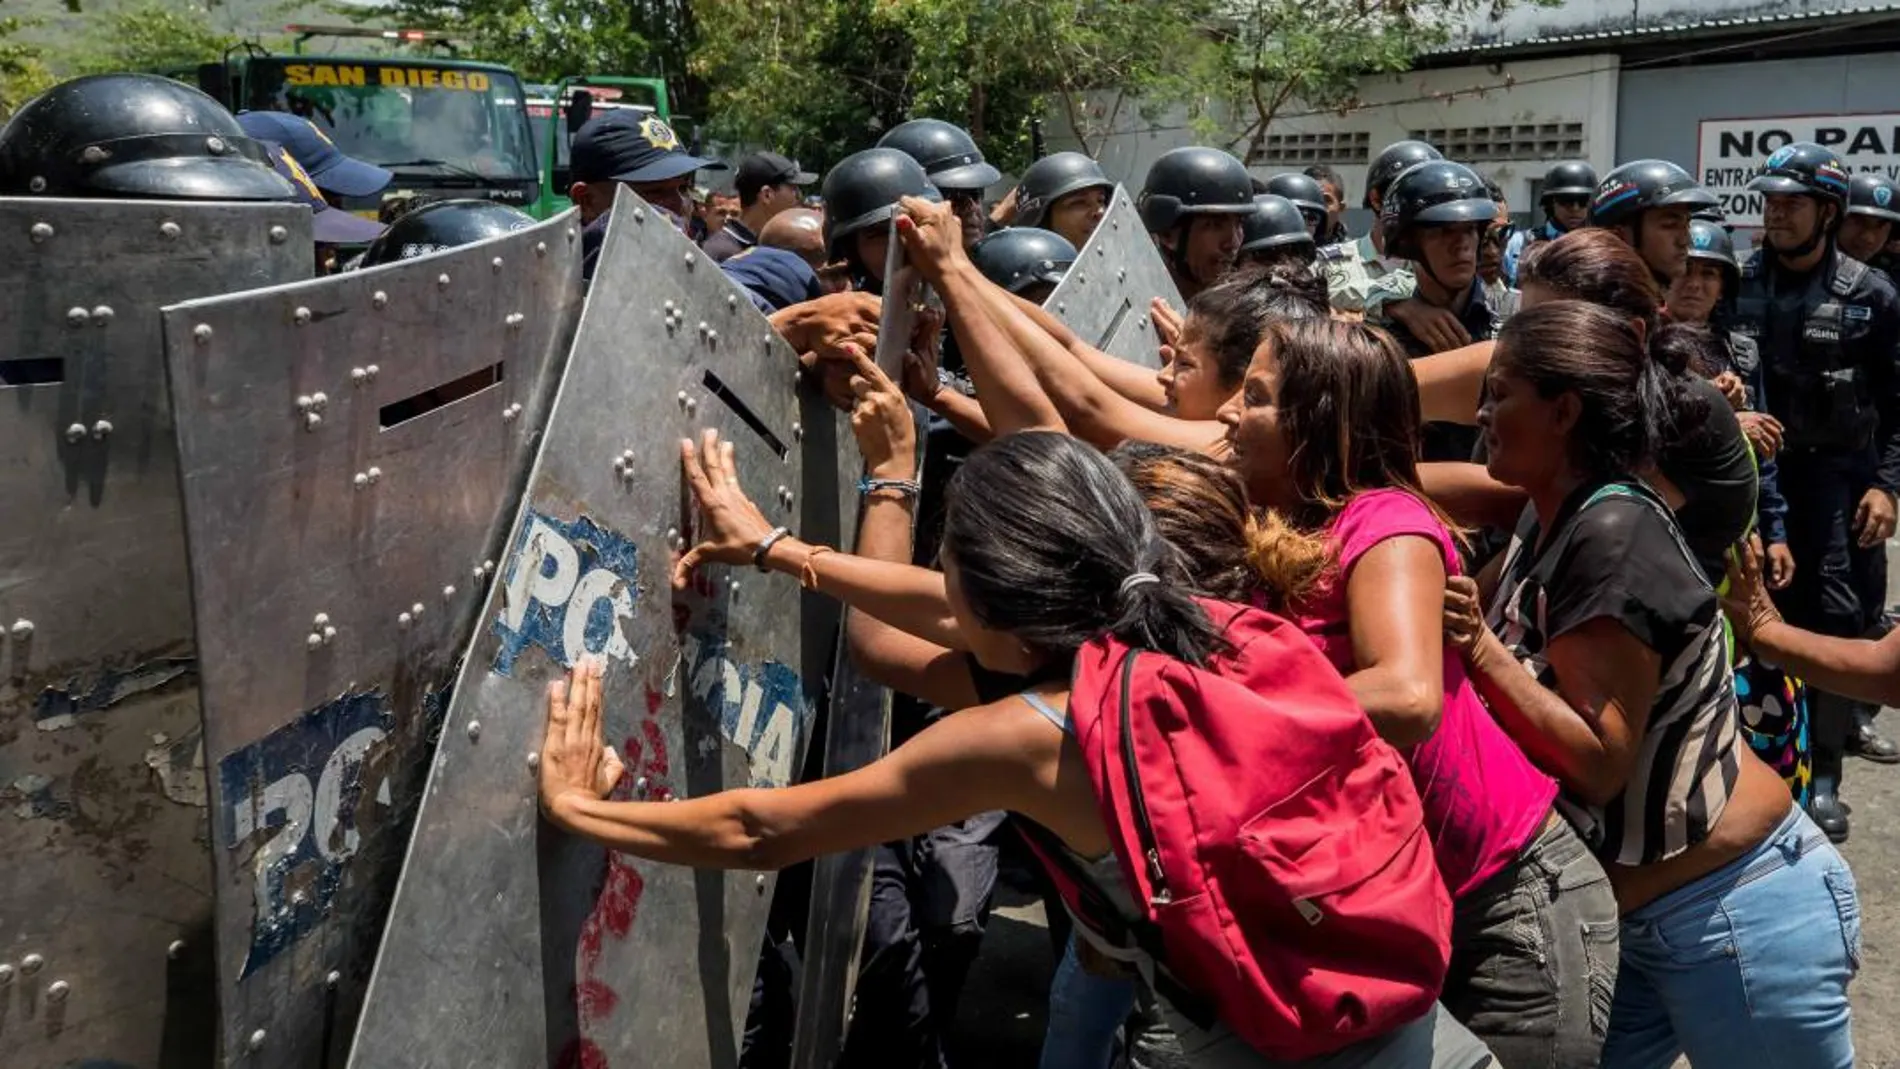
[1521, 243]
[1359, 279]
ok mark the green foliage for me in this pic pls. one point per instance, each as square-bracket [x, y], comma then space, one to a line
[23, 70]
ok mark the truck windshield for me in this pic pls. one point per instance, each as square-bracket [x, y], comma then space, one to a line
[542, 116]
[410, 116]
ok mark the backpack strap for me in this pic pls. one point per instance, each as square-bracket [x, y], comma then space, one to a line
[1847, 275]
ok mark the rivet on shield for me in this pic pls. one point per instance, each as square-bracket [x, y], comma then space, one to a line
[379, 299]
[448, 592]
[1121, 274]
[58, 990]
[320, 619]
[1061, 309]
[488, 567]
[640, 785]
[572, 233]
[257, 1040]
[359, 375]
[301, 316]
[371, 370]
[36, 184]
[77, 317]
[176, 950]
[311, 421]
[102, 315]
[1143, 321]
[359, 480]
[304, 402]
[495, 265]
[1084, 279]
[215, 145]
[733, 586]
[442, 280]
[76, 432]
[667, 307]
[402, 620]
[540, 248]
[690, 261]
[21, 630]
[732, 302]
[319, 401]
[40, 231]
[759, 882]
[333, 979]
[416, 609]
[639, 215]
[169, 230]
[101, 429]
[329, 635]
[6, 975]
[32, 963]
[509, 414]
[798, 432]
[201, 334]
[96, 154]
[279, 235]
[534, 760]
[474, 730]
[515, 319]
[703, 328]
[313, 641]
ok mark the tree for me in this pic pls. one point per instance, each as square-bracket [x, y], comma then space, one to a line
[148, 35]
[23, 71]
[1315, 51]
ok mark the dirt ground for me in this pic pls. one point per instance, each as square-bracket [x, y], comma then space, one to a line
[1001, 1017]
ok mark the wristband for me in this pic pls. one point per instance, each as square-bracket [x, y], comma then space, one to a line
[765, 546]
[905, 487]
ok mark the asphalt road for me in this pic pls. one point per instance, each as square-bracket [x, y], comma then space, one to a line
[1000, 1021]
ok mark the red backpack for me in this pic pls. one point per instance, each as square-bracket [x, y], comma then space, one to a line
[1272, 841]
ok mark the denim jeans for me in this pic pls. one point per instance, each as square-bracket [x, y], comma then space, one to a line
[1087, 1014]
[1533, 956]
[1750, 961]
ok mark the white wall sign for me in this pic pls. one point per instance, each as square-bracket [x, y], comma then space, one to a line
[1732, 150]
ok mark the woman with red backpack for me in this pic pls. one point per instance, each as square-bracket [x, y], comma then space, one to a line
[1602, 653]
[1325, 434]
[1217, 807]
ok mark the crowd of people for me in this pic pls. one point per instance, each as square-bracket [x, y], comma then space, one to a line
[1448, 658]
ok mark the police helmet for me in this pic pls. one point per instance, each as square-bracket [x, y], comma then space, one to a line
[1275, 222]
[947, 152]
[1635, 187]
[133, 135]
[1568, 180]
[1050, 179]
[445, 224]
[863, 190]
[1392, 160]
[1435, 193]
[1803, 167]
[1875, 195]
[1021, 256]
[1305, 193]
[1193, 181]
[1711, 241]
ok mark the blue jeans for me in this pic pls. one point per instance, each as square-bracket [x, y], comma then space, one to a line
[1086, 1012]
[1751, 960]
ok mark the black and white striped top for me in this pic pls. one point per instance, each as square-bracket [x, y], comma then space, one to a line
[1616, 552]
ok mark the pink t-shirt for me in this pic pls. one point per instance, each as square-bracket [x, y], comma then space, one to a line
[1484, 800]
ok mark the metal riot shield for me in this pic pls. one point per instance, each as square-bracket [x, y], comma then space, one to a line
[351, 451]
[105, 894]
[511, 944]
[857, 732]
[1104, 298]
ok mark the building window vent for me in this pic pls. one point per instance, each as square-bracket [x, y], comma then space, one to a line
[1301, 150]
[1530, 141]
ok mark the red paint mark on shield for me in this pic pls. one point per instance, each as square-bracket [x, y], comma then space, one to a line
[596, 1000]
[656, 749]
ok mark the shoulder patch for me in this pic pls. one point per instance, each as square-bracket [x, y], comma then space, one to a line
[1857, 311]
[1336, 253]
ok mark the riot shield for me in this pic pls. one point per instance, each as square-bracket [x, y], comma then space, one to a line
[351, 451]
[511, 943]
[105, 894]
[1104, 298]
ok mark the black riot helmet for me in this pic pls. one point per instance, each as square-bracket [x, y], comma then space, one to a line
[133, 135]
[1305, 193]
[1435, 193]
[1191, 181]
[1711, 241]
[1275, 223]
[1805, 168]
[1022, 256]
[1875, 195]
[445, 224]
[1568, 180]
[863, 190]
[1391, 161]
[947, 152]
[1050, 179]
[1636, 187]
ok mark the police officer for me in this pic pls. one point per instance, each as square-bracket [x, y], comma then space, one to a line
[1565, 198]
[1192, 203]
[1025, 260]
[1307, 195]
[1277, 231]
[1433, 214]
[133, 136]
[1873, 206]
[1648, 203]
[861, 195]
[955, 165]
[329, 168]
[640, 151]
[767, 184]
[445, 224]
[1829, 332]
[1352, 268]
[331, 228]
[1066, 193]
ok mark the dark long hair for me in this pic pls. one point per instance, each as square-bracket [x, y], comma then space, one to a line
[1234, 312]
[1585, 349]
[1043, 531]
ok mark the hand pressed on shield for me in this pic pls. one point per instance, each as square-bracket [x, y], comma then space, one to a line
[815, 325]
[932, 237]
[881, 420]
[1167, 321]
[731, 526]
[575, 759]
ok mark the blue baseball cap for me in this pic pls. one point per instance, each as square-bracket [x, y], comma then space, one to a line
[629, 145]
[327, 166]
[328, 226]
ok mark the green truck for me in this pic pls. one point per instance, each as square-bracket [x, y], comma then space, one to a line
[556, 111]
[446, 127]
